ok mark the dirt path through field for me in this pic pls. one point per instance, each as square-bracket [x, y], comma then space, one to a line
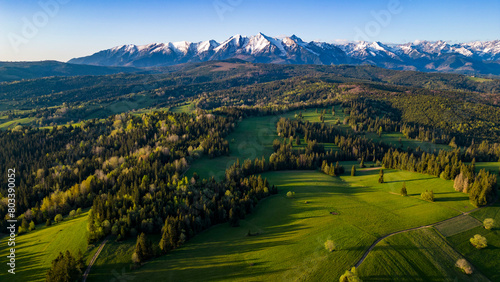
[94, 258]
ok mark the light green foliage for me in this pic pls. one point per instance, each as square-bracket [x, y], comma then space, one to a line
[58, 218]
[330, 245]
[32, 226]
[489, 223]
[350, 276]
[478, 241]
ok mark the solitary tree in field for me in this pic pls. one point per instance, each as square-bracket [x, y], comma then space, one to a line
[353, 170]
[403, 190]
[479, 241]
[464, 265]
[489, 223]
[428, 195]
[381, 176]
[380, 131]
[330, 245]
[362, 164]
[350, 276]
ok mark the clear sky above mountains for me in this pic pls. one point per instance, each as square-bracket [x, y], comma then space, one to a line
[63, 29]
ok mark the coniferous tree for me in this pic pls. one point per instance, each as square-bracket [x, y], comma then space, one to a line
[65, 268]
[381, 176]
[233, 218]
[353, 171]
[404, 192]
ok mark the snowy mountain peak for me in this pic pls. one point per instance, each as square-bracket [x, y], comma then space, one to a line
[423, 55]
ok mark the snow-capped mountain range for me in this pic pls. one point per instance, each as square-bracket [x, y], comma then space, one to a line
[471, 58]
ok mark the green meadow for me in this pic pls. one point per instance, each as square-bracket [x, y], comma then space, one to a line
[289, 233]
[252, 138]
[36, 250]
[486, 260]
[419, 255]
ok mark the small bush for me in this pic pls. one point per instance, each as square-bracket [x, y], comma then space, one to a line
[32, 226]
[489, 223]
[78, 211]
[479, 241]
[464, 265]
[58, 218]
[290, 194]
[428, 196]
[330, 245]
[350, 276]
[72, 214]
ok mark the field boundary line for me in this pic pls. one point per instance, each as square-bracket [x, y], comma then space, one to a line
[420, 227]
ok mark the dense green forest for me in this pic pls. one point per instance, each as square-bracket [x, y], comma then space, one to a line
[120, 145]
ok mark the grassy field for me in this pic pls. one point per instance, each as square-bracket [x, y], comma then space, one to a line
[36, 250]
[187, 108]
[486, 260]
[292, 231]
[114, 261]
[15, 122]
[457, 225]
[419, 255]
[313, 115]
[252, 138]
[393, 139]
[493, 167]
[479, 79]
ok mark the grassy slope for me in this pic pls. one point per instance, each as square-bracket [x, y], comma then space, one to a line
[292, 232]
[420, 255]
[187, 108]
[36, 250]
[15, 122]
[252, 138]
[114, 261]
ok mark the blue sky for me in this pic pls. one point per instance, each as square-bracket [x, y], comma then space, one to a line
[72, 28]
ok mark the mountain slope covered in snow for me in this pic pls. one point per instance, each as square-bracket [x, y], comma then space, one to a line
[467, 58]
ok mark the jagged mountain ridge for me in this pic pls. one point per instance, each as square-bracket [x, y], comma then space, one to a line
[469, 58]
